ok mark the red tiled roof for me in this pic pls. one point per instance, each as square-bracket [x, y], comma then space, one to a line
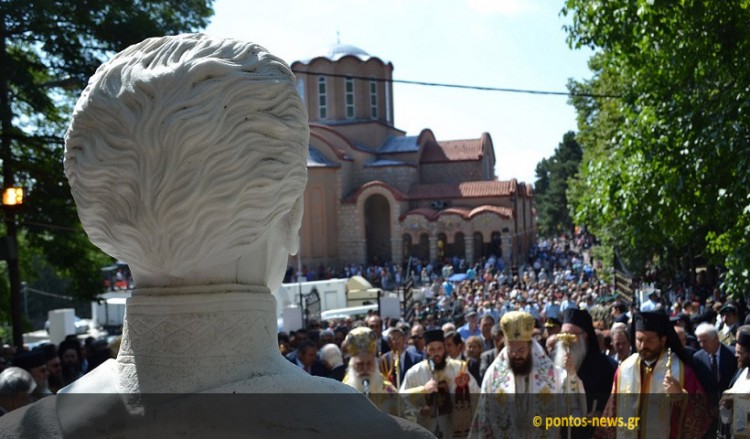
[464, 212]
[468, 189]
[468, 213]
[352, 198]
[452, 150]
[506, 212]
[426, 212]
[461, 211]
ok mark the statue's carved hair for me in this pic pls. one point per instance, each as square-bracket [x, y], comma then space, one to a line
[183, 150]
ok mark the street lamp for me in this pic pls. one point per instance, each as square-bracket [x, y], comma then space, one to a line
[13, 196]
[12, 199]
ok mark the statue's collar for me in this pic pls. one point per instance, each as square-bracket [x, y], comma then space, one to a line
[184, 290]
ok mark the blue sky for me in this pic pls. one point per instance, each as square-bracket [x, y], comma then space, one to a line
[496, 43]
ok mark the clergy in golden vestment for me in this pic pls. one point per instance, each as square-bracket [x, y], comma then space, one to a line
[657, 385]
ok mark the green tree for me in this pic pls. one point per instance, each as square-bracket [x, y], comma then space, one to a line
[667, 165]
[550, 189]
[48, 49]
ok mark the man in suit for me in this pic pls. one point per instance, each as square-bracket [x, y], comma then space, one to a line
[620, 343]
[720, 363]
[306, 358]
[375, 323]
[395, 362]
[488, 357]
[417, 339]
[718, 357]
[333, 360]
[702, 372]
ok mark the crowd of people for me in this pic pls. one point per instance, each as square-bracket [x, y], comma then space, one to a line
[29, 375]
[551, 327]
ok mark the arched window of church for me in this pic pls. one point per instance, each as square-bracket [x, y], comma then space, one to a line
[349, 96]
[322, 98]
[373, 99]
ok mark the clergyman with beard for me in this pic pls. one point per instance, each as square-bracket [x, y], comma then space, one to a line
[54, 367]
[440, 387]
[657, 385]
[595, 369]
[363, 373]
[518, 385]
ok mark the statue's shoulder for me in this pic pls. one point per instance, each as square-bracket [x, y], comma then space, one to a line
[100, 380]
[87, 409]
[34, 420]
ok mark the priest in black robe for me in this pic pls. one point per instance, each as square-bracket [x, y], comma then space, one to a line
[593, 367]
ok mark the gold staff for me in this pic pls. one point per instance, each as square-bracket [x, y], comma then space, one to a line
[567, 339]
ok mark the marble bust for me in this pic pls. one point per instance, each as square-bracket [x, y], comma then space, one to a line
[186, 157]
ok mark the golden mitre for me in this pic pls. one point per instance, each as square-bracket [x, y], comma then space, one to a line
[361, 340]
[517, 326]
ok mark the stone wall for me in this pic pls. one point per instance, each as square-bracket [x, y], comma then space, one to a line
[400, 177]
[453, 172]
[351, 238]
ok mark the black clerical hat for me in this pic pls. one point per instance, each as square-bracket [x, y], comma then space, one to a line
[50, 351]
[582, 319]
[578, 317]
[30, 360]
[653, 321]
[434, 335]
[658, 322]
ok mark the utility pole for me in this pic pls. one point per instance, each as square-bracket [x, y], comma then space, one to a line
[12, 198]
[6, 127]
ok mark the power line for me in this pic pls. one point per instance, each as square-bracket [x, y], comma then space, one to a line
[459, 86]
[48, 294]
[50, 226]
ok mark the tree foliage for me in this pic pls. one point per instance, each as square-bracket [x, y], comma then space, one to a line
[551, 186]
[666, 166]
[48, 50]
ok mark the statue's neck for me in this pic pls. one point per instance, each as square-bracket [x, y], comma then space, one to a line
[192, 339]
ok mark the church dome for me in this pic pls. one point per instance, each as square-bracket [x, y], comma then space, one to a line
[335, 52]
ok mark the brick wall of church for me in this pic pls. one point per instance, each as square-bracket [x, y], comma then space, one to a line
[400, 177]
[351, 246]
[455, 172]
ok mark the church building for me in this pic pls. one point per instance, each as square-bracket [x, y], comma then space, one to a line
[376, 194]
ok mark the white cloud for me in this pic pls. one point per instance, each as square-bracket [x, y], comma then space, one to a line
[503, 7]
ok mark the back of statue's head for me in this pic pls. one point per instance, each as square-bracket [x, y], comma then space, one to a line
[183, 151]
